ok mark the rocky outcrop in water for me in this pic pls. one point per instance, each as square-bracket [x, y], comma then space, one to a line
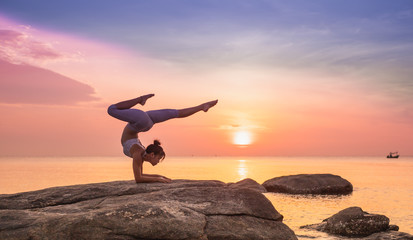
[183, 209]
[309, 184]
[354, 222]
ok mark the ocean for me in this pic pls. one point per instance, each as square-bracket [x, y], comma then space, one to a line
[381, 185]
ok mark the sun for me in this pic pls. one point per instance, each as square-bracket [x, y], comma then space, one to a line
[242, 138]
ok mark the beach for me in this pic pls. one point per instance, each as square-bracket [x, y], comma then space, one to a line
[381, 186]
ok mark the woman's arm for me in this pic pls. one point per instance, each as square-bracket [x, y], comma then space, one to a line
[155, 175]
[137, 171]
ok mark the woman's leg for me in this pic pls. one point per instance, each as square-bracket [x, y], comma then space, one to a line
[133, 116]
[123, 112]
[132, 102]
[162, 115]
[186, 112]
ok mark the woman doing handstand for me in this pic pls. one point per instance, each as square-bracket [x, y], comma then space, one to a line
[140, 121]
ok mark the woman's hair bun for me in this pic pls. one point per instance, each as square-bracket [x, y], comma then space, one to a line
[156, 149]
[156, 142]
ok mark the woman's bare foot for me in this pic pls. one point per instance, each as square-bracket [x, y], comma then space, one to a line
[144, 98]
[206, 106]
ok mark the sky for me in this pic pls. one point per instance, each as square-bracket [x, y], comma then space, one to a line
[293, 78]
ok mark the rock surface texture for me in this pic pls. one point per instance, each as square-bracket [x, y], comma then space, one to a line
[389, 235]
[354, 222]
[183, 209]
[309, 184]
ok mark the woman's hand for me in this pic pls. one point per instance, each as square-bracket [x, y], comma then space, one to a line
[164, 179]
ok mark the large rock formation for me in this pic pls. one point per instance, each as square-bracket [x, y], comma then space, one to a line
[309, 184]
[354, 222]
[183, 209]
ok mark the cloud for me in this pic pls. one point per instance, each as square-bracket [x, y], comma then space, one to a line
[17, 47]
[26, 84]
[23, 80]
[9, 37]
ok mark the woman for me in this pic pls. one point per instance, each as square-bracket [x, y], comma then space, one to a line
[140, 121]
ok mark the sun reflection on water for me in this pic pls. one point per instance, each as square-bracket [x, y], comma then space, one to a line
[242, 169]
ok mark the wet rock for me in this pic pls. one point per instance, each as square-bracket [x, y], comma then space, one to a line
[309, 184]
[353, 222]
[183, 209]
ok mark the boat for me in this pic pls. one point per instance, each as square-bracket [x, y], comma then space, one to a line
[393, 155]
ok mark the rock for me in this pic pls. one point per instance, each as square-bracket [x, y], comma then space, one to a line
[248, 183]
[389, 235]
[353, 222]
[309, 184]
[183, 209]
[393, 228]
[76, 193]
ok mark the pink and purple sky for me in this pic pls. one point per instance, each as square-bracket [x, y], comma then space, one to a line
[293, 78]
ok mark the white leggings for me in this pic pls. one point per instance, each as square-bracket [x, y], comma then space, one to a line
[139, 120]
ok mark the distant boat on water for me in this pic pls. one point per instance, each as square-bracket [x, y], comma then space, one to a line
[393, 155]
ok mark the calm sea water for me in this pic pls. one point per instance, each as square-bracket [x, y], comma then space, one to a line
[383, 186]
